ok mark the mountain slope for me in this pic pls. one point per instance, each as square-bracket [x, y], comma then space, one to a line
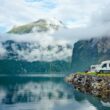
[42, 25]
[88, 52]
[34, 57]
[15, 67]
[31, 48]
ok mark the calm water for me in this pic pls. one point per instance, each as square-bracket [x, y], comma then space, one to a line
[44, 93]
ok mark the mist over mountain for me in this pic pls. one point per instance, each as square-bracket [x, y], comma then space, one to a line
[35, 51]
[34, 42]
[34, 47]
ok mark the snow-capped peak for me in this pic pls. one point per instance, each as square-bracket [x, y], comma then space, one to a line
[51, 25]
[41, 25]
[55, 22]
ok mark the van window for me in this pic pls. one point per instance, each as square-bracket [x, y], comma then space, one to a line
[104, 65]
[93, 67]
[109, 64]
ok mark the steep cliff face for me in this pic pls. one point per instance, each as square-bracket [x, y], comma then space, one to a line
[88, 52]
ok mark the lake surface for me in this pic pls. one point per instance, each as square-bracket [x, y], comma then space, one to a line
[44, 93]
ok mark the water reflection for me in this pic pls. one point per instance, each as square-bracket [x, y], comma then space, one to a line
[17, 93]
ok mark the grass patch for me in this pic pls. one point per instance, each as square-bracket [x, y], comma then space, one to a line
[94, 74]
[84, 73]
[104, 74]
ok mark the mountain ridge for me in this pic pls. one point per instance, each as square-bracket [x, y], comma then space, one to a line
[41, 25]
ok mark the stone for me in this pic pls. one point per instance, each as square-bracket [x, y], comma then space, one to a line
[96, 85]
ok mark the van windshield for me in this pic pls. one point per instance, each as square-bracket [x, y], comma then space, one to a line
[104, 65]
[93, 67]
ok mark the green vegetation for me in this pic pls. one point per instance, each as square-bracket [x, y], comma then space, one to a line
[28, 28]
[21, 29]
[94, 74]
[90, 73]
[23, 67]
[104, 74]
[41, 26]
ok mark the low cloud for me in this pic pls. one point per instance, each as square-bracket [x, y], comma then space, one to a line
[2, 51]
[100, 30]
[76, 12]
[99, 26]
[35, 47]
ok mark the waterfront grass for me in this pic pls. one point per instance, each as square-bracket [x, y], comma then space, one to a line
[104, 74]
[87, 73]
[94, 73]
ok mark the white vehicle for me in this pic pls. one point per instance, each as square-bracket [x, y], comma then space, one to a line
[104, 67]
[94, 68]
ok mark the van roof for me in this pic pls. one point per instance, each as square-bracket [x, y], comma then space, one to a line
[95, 65]
[106, 61]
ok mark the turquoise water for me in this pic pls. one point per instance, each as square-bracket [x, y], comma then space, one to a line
[44, 93]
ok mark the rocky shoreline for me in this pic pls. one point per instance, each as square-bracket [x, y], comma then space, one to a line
[98, 86]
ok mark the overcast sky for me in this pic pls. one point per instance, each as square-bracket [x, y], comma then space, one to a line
[81, 15]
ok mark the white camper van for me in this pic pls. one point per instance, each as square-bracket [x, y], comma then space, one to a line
[93, 68]
[104, 67]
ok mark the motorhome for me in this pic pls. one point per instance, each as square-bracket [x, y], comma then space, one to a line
[104, 67]
[93, 68]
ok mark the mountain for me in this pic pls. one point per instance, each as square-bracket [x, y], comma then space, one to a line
[33, 57]
[88, 52]
[41, 25]
[32, 48]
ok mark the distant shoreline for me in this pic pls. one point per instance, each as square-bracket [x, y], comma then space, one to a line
[34, 75]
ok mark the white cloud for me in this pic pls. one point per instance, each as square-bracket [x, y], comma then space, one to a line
[98, 26]
[37, 48]
[88, 18]
[2, 51]
[92, 31]
[15, 12]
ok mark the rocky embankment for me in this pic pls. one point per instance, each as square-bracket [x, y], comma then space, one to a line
[98, 86]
